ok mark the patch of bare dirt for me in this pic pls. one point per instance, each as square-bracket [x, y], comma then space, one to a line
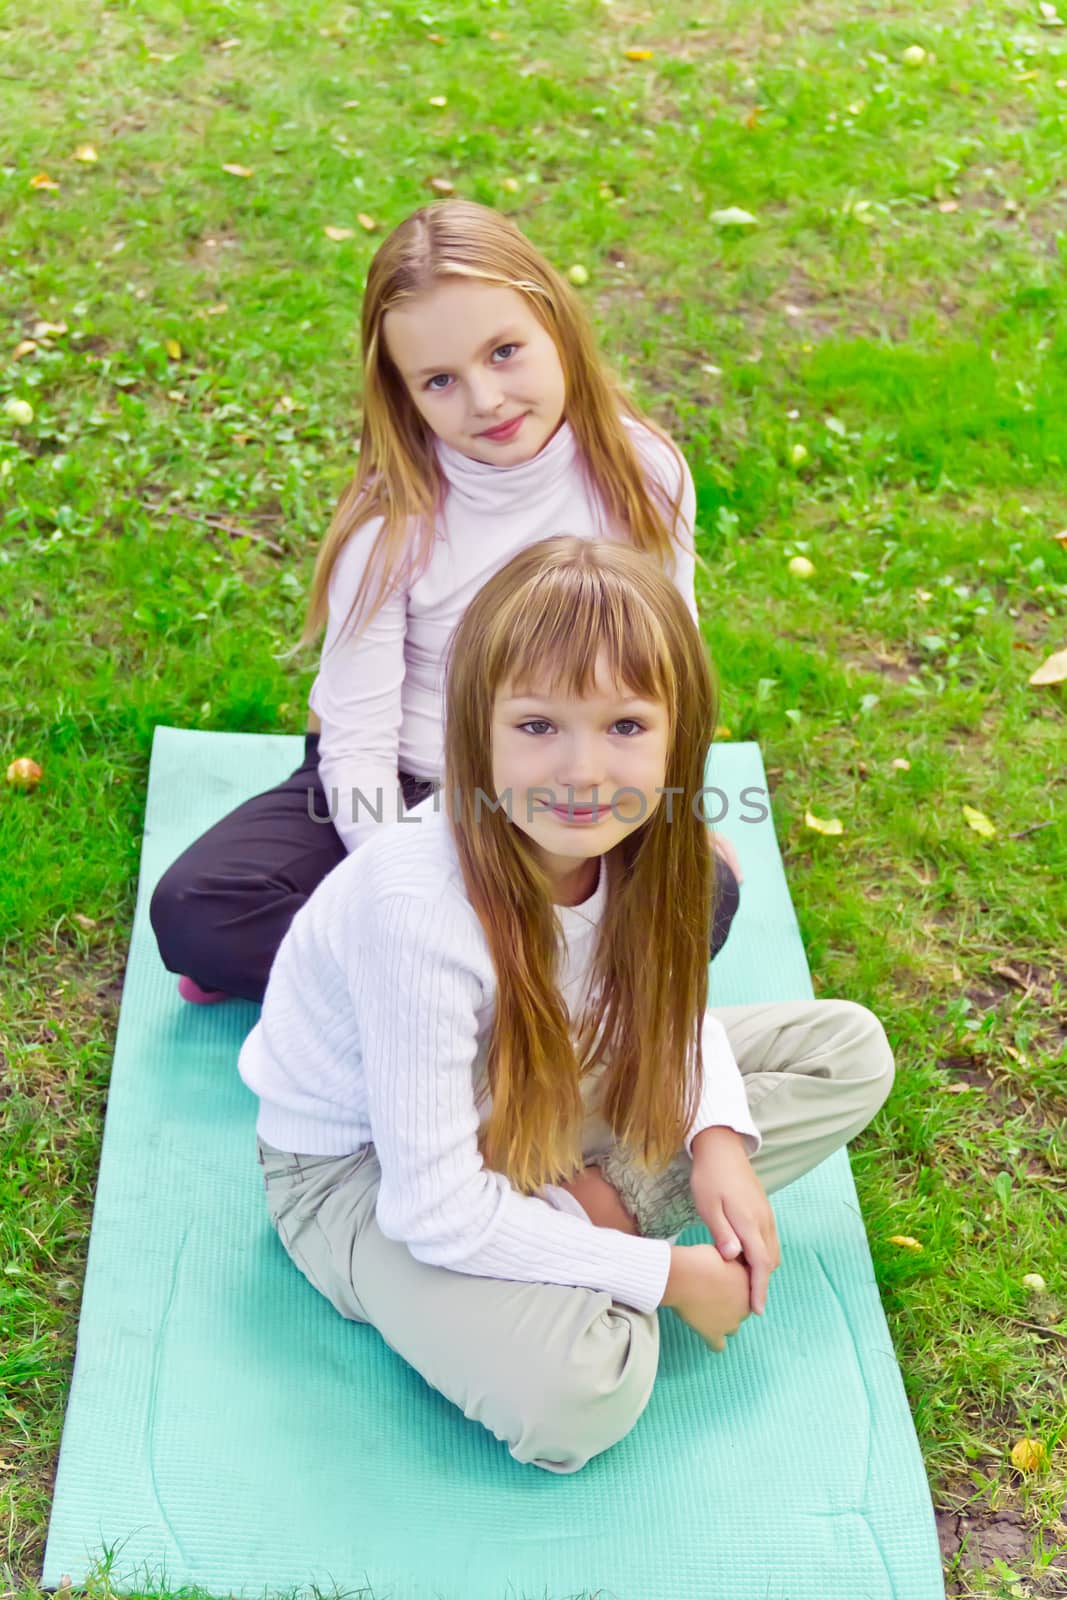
[209, 250]
[972, 1540]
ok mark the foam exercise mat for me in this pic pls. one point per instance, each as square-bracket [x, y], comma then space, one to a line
[227, 1428]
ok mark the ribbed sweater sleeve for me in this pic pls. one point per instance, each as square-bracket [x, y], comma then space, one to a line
[358, 699]
[723, 1102]
[417, 995]
[667, 472]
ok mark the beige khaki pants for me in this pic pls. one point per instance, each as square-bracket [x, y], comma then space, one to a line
[560, 1374]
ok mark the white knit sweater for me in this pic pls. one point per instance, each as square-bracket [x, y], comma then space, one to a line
[375, 1028]
[380, 695]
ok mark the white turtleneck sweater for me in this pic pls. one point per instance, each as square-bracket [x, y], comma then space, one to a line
[375, 1029]
[379, 694]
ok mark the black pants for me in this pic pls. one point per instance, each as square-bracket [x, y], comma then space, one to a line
[219, 913]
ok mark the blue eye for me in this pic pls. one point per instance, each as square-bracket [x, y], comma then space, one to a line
[539, 722]
[633, 724]
[433, 385]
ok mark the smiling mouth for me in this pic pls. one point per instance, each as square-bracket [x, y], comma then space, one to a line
[505, 429]
[580, 813]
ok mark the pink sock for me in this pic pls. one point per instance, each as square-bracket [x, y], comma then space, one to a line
[199, 997]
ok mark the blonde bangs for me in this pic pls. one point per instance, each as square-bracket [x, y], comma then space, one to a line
[582, 615]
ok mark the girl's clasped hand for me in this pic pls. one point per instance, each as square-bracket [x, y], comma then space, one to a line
[733, 1205]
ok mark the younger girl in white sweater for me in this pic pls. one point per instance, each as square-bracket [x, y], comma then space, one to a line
[489, 422]
[490, 1090]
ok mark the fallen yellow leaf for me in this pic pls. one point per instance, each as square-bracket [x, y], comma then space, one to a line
[947, 207]
[366, 222]
[979, 822]
[85, 152]
[901, 764]
[1029, 1455]
[1054, 670]
[512, 185]
[906, 1242]
[174, 349]
[831, 825]
[24, 347]
[235, 170]
[45, 330]
[337, 234]
[1061, 537]
[216, 311]
[638, 55]
[722, 732]
[438, 100]
[41, 180]
[442, 186]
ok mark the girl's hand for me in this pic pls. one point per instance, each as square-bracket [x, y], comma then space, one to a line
[707, 1292]
[724, 849]
[734, 1207]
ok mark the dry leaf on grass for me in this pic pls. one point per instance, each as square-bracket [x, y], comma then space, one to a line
[367, 223]
[86, 152]
[1053, 670]
[337, 234]
[236, 170]
[979, 822]
[906, 1242]
[41, 180]
[732, 217]
[827, 825]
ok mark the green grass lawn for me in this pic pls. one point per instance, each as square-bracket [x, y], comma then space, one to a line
[873, 375]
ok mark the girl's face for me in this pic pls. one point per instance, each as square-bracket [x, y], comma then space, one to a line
[474, 357]
[578, 774]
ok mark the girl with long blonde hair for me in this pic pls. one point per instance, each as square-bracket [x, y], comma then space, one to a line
[489, 422]
[491, 1093]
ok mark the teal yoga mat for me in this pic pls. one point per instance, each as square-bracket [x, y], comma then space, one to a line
[226, 1428]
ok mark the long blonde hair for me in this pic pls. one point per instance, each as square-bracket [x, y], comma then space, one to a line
[544, 619]
[398, 477]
